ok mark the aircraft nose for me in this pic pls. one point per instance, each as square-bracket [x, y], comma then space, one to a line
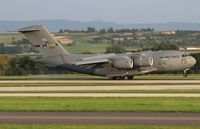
[192, 61]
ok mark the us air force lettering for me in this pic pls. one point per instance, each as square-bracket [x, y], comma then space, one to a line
[113, 66]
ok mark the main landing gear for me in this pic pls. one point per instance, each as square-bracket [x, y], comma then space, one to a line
[117, 78]
[121, 78]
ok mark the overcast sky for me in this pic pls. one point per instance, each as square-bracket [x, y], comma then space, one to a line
[120, 11]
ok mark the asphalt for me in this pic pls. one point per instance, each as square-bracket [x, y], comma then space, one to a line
[188, 85]
[102, 81]
[99, 118]
[95, 88]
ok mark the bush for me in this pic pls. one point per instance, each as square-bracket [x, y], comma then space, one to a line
[115, 49]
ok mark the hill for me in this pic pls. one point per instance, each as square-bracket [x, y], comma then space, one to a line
[55, 25]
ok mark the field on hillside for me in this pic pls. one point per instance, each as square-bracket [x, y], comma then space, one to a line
[96, 42]
[9, 38]
[83, 44]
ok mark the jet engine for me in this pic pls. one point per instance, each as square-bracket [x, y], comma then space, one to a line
[123, 63]
[143, 61]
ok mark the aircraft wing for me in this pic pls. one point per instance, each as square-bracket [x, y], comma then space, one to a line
[30, 54]
[91, 61]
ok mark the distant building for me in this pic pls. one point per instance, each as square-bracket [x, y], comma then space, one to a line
[118, 39]
[141, 38]
[127, 34]
[168, 32]
[194, 48]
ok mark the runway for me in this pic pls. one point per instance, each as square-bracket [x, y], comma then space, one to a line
[101, 86]
[96, 88]
[99, 118]
[103, 81]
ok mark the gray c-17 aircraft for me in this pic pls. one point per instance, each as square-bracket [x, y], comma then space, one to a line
[113, 66]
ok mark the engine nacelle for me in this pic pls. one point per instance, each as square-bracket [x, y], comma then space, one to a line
[123, 63]
[143, 61]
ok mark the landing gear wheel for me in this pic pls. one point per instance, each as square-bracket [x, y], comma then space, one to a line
[185, 72]
[120, 78]
[117, 78]
[112, 78]
[130, 77]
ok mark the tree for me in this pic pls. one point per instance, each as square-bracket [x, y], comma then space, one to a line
[23, 66]
[164, 47]
[61, 31]
[115, 49]
[110, 30]
[91, 29]
[102, 31]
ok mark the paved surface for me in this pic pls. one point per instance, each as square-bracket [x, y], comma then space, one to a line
[96, 95]
[89, 88]
[100, 81]
[188, 84]
[100, 118]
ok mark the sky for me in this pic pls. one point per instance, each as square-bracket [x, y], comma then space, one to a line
[119, 11]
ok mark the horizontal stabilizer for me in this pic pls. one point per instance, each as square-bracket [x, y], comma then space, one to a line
[29, 29]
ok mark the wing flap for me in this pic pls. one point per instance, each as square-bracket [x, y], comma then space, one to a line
[88, 62]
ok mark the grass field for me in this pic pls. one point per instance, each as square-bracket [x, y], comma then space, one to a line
[100, 104]
[12, 126]
[83, 45]
[112, 91]
[84, 76]
[53, 76]
[8, 38]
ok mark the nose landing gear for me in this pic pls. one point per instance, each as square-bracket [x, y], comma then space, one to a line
[185, 72]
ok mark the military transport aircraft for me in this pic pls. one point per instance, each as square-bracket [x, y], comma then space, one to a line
[113, 66]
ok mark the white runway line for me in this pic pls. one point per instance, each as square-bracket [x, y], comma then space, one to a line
[96, 88]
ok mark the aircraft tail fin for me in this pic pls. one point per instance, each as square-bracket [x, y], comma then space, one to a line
[43, 41]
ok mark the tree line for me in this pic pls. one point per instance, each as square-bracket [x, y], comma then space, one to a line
[17, 47]
[108, 30]
[25, 65]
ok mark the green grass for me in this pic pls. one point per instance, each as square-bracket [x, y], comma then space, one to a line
[167, 76]
[90, 84]
[53, 76]
[84, 76]
[83, 45]
[14, 126]
[100, 104]
[8, 38]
